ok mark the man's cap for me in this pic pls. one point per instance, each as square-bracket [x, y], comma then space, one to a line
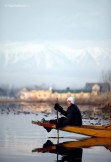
[71, 99]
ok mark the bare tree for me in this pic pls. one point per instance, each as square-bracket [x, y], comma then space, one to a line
[106, 78]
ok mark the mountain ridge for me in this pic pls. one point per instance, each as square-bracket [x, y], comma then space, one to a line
[53, 56]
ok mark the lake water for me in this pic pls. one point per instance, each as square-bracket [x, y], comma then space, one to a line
[20, 140]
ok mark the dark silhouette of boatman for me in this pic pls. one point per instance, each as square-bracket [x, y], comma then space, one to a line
[67, 154]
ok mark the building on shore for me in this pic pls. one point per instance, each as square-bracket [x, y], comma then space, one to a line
[50, 95]
[89, 90]
[97, 87]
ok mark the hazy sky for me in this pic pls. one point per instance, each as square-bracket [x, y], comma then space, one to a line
[28, 20]
[51, 23]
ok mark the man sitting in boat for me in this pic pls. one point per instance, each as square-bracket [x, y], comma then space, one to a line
[72, 115]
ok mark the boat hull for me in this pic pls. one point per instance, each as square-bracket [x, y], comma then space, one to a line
[94, 131]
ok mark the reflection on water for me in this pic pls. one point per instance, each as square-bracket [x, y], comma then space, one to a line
[68, 154]
[18, 137]
[72, 150]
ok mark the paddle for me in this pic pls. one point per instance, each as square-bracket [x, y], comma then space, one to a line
[57, 123]
[57, 132]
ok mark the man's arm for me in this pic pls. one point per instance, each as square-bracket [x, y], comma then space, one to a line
[60, 109]
[66, 121]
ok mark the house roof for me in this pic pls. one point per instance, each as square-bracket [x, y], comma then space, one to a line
[104, 87]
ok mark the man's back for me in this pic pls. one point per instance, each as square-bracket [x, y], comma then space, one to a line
[74, 115]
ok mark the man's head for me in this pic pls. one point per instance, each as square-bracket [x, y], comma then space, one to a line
[70, 101]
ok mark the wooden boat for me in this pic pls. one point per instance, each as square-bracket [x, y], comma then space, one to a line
[84, 143]
[88, 130]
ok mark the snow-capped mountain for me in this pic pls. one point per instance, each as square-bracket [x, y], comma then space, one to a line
[38, 59]
[50, 57]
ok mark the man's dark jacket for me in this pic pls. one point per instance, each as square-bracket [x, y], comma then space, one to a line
[72, 116]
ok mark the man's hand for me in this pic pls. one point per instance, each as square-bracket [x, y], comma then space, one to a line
[56, 107]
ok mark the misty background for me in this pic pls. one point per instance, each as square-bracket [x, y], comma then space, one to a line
[54, 43]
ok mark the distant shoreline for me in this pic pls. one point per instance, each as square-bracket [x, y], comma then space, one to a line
[79, 102]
